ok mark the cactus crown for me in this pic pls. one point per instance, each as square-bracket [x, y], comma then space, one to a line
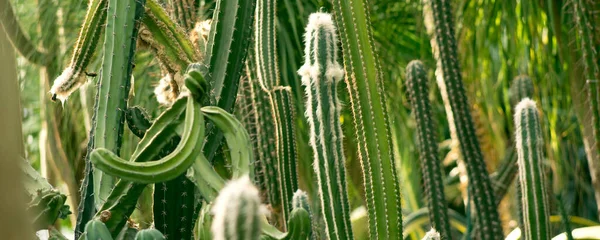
[237, 211]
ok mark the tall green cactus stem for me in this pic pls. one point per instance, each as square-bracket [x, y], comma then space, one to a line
[440, 25]
[521, 87]
[226, 51]
[174, 204]
[17, 36]
[111, 99]
[364, 79]
[287, 176]
[418, 90]
[534, 200]
[184, 12]
[586, 30]
[267, 69]
[75, 74]
[167, 168]
[237, 211]
[168, 40]
[320, 74]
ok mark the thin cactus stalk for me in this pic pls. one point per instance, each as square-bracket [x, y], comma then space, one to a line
[418, 90]
[17, 36]
[364, 79]
[184, 12]
[320, 74]
[75, 74]
[111, 100]
[167, 39]
[521, 87]
[534, 200]
[237, 212]
[226, 51]
[586, 31]
[440, 25]
[267, 68]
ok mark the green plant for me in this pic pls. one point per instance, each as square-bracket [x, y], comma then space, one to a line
[237, 211]
[418, 90]
[320, 74]
[535, 208]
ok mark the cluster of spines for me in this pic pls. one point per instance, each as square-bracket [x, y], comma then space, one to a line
[418, 90]
[440, 24]
[320, 74]
[74, 75]
[366, 91]
[237, 211]
[533, 186]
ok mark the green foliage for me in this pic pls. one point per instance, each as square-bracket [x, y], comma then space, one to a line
[418, 90]
[535, 208]
[320, 74]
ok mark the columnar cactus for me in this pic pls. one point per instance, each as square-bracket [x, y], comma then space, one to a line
[74, 75]
[534, 196]
[320, 74]
[440, 24]
[364, 79]
[521, 87]
[418, 90]
[237, 211]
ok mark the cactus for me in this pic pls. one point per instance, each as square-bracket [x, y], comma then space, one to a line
[534, 199]
[226, 51]
[521, 87]
[17, 36]
[95, 229]
[267, 68]
[418, 90]
[138, 120]
[75, 74]
[237, 211]
[184, 11]
[167, 168]
[432, 235]
[320, 74]
[111, 98]
[441, 27]
[149, 234]
[364, 79]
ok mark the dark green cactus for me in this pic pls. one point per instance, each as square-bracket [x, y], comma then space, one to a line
[95, 229]
[237, 212]
[521, 87]
[364, 81]
[111, 99]
[138, 120]
[439, 17]
[320, 74]
[75, 74]
[535, 208]
[418, 90]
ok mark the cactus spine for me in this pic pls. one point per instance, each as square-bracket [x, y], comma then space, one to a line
[364, 79]
[111, 99]
[534, 199]
[441, 27]
[418, 90]
[237, 212]
[320, 74]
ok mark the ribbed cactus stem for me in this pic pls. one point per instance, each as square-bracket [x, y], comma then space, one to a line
[237, 211]
[320, 74]
[521, 87]
[418, 90]
[264, 45]
[534, 199]
[440, 24]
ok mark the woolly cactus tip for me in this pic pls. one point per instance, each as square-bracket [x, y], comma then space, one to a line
[300, 200]
[65, 84]
[432, 235]
[320, 28]
[525, 103]
[236, 211]
[320, 19]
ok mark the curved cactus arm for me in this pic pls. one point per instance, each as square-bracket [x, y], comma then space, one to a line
[17, 36]
[534, 196]
[75, 74]
[166, 168]
[206, 179]
[364, 81]
[418, 90]
[238, 141]
[320, 74]
[440, 25]
[119, 205]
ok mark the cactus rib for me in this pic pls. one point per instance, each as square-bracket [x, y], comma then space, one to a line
[418, 90]
[534, 199]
